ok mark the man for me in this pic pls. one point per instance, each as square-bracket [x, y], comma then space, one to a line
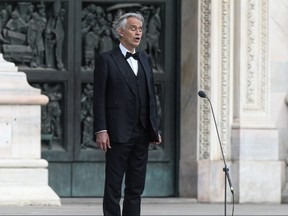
[125, 116]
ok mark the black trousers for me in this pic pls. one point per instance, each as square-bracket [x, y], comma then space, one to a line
[130, 159]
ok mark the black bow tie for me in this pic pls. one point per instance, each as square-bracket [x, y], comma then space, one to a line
[135, 55]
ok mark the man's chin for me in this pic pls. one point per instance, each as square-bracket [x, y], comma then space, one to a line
[136, 44]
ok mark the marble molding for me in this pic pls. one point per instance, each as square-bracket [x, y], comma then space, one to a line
[24, 175]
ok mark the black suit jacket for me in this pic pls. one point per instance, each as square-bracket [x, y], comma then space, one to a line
[114, 96]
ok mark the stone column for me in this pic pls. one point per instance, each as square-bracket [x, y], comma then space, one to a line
[23, 174]
[257, 170]
[188, 138]
[215, 78]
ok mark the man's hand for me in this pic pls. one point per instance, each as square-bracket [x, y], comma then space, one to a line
[159, 140]
[102, 140]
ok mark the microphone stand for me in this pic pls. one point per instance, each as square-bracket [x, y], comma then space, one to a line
[202, 94]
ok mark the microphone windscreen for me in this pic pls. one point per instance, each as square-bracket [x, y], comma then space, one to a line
[202, 94]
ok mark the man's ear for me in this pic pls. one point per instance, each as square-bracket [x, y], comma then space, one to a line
[120, 32]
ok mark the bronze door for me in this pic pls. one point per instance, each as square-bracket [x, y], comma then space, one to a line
[55, 43]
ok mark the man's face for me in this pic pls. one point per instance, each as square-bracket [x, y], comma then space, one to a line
[131, 35]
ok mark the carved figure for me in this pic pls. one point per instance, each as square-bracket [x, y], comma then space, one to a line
[53, 109]
[49, 49]
[91, 43]
[87, 101]
[87, 116]
[54, 35]
[46, 130]
[113, 33]
[35, 40]
[26, 10]
[153, 35]
[16, 23]
[3, 20]
[51, 129]
[87, 133]
[42, 23]
[106, 42]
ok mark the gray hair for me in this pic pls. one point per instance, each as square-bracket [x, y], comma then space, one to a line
[120, 23]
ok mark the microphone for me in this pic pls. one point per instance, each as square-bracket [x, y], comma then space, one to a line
[202, 94]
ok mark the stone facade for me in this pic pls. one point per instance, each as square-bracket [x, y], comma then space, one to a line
[237, 52]
[243, 73]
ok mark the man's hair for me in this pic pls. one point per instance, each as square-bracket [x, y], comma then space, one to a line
[120, 23]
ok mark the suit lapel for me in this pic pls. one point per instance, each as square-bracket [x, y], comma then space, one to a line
[145, 64]
[123, 67]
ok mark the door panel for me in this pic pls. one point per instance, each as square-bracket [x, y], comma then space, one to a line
[56, 48]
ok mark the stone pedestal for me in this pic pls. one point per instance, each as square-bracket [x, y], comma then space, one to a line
[211, 182]
[258, 174]
[24, 175]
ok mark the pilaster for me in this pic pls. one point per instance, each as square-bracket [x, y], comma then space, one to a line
[215, 78]
[254, 147]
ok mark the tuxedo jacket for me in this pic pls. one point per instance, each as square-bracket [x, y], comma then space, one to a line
[114, 104]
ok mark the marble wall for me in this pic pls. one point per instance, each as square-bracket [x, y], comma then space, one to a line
[278, 34]
[260, 65]
[279, 70]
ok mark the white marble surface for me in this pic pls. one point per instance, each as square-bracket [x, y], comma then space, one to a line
[254, 144]
[258, 181]
[279, 71]
[211, 181]
[24, 175]
[22, 131]
[7, 66]
[15, 83]
[278, 30]
[278, 35]
[29, 195]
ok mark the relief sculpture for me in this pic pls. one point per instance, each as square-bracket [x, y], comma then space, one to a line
[51, 116]
[29, 36]
[98, 35]
[87, 117]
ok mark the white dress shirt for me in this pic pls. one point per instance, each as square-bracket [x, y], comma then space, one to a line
[131, 61]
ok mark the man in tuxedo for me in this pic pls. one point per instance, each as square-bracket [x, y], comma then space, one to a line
[125, 116]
